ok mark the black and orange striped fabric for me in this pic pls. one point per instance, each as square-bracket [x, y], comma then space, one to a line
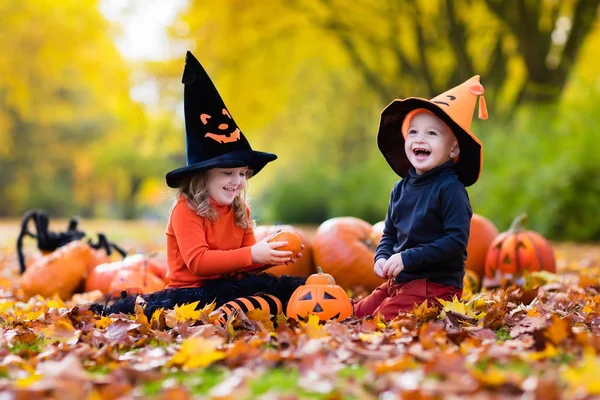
[266, 302]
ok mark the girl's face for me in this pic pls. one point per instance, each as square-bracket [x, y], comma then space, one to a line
[224, 184]
[429, 143]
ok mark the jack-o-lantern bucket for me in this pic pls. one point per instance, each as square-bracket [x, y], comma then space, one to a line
[320, 296]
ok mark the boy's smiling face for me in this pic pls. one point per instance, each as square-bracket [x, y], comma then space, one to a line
[429, 142]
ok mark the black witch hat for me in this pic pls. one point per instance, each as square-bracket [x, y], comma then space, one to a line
[213, 138]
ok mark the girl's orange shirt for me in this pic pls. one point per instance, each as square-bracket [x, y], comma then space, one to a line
[199, 249]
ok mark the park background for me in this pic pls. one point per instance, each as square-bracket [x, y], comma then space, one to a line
[91, 102]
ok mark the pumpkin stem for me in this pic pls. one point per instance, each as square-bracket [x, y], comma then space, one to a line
[319, 270]
[517, 224]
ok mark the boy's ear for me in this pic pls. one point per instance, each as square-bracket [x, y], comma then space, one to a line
[455, 150]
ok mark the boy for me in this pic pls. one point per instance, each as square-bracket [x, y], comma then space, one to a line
[423, 249]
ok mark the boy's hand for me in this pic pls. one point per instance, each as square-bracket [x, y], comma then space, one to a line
[393, 266]
[264, 252]
[379, 267]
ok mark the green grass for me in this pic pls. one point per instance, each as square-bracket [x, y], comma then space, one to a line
[199, 381]
[24, 349]
[503, 334]
[277, 380]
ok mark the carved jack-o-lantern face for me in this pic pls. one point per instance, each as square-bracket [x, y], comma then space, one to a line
[321, 298]
[223, 131]
[517, 251]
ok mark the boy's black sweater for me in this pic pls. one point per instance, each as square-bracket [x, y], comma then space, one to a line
[428, 222]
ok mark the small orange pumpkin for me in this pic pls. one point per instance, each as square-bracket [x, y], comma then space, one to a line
[483, 233]
[294, 242]
[345, 248]
[517, 251]
[303, 266]
[319, 296]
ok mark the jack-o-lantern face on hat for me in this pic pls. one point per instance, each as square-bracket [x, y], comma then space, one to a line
[221, 129]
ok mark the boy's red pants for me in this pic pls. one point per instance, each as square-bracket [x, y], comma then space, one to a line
[391, 297]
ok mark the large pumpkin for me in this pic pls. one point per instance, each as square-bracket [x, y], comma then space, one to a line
[142, 279]
[303, 266]
[60, 272]
[320, 296]
[483, 233]
[517, 251]
[345, 248]
[101, 277]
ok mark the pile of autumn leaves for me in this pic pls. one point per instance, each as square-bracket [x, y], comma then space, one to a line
[538, 338]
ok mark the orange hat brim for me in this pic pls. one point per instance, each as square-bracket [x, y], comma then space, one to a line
[391, 141]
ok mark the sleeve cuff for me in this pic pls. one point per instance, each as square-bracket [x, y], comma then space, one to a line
[406, 261]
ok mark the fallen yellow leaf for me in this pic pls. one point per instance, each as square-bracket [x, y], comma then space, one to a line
[197, 352]
[187, 311]
[585, 375]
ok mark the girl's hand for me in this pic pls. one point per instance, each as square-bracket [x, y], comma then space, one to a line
[379, 267]
[299, 255]
[264, 252]
[393, 266]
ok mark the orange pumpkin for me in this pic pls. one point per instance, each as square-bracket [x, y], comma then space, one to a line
[344, 247]
[303, 266]
[320, 296]
[60, 272]
[142, 279]
[517, 251]
[483, 233]
[294, 243]
[101, 277]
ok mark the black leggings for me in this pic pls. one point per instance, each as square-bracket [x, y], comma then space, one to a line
[221, 290]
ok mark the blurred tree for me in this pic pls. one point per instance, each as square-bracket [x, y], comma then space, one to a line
[465, 38]
[68, 126]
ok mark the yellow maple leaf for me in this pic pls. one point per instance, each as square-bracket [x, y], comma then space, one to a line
[197, 352]
[281, 320]
[6, 305]
[586, 310]
[156, 315]
[61, 329]
[55, 302]
[261, 316]
[140, 316]
[312, 327]
[103, 322]
[559, 329]
[533, 312]
[585, 375]
[549, 352]
[27, 381]
[491, 377]
[368, 337]
[423, 312]
[187, 311]
[459, 307]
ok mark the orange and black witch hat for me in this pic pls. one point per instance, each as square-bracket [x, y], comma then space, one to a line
[213, 139]
[455, 107]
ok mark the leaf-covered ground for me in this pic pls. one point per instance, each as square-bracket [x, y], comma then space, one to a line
[538, 340]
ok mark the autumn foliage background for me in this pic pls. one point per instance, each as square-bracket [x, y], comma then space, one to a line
[86, 130]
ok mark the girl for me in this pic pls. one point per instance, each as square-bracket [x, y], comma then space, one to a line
[211, 249]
